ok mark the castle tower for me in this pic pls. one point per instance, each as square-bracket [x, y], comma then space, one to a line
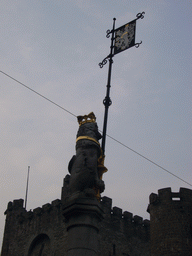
[171, 222]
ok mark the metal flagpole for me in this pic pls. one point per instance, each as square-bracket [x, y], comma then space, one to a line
[27, 187]
[107, 101]
[124, 38]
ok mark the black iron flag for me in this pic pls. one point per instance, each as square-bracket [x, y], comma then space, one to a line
[125, 37]
[122, 38]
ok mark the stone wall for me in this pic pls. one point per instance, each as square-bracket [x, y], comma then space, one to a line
[43, 231]
[121, 233]
[171, 222]
[30, 232]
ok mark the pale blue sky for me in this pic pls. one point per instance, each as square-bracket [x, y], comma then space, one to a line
[54, 47]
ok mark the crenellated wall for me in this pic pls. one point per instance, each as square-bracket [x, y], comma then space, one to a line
[171, 222]
[121, 233]
[44, 229]
[28, 232]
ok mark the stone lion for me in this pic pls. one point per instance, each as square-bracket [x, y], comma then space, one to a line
[86, 167]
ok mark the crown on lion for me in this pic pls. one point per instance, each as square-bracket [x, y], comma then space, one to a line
[90, 118]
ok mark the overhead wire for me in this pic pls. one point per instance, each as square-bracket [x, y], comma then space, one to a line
[149, 160]
[106, 134]
[37, 93]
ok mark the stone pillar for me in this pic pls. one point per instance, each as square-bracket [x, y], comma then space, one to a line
[82, 217]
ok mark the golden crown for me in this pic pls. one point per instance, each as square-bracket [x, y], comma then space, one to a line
[90, 118]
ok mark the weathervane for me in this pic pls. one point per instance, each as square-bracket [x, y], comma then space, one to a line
[122, 38]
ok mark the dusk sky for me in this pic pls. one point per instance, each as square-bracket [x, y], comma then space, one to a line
[54, 47]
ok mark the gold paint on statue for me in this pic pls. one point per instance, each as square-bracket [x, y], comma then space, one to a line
[90, 118]
[87, 138]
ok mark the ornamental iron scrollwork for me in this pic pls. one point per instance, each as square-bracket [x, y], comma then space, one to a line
[140, 15]
[108, 32]
[138, 44]
[104, 61]
[101, 64]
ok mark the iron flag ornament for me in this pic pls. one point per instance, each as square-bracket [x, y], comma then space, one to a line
[125, 37]
[122, 39]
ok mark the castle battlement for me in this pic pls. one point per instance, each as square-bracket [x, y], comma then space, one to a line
[18, 212]
[17, 205]
[166, 196]
[48, 220]
[116, 213]
[171, 222]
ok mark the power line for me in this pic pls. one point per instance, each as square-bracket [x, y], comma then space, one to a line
[100, 131]
[37, 93]
[149, 160]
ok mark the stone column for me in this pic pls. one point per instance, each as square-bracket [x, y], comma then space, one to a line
[82, 217]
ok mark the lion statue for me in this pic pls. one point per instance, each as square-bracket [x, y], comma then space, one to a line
[87, 166]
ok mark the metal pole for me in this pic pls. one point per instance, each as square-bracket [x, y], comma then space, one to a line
[107, 101]
[27, 187]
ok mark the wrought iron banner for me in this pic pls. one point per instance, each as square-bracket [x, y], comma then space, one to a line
[122, 38]
[125, 37]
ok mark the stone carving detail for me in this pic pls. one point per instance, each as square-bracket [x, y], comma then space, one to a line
[87, 166]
